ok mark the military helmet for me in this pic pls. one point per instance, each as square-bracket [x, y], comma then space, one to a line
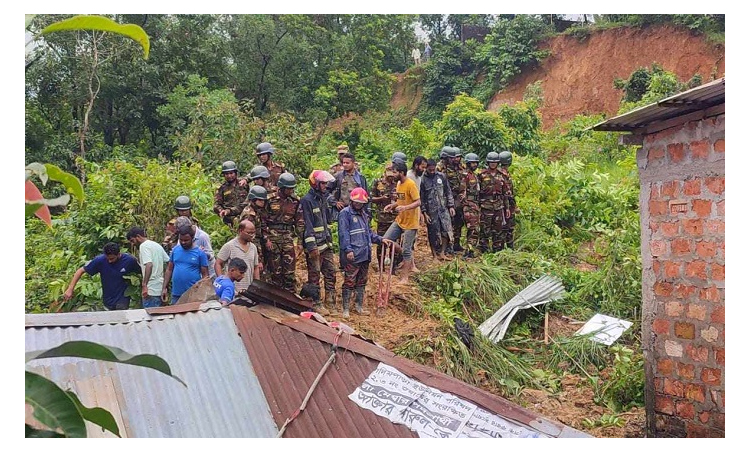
[506, 158]
[492, 157]
[342, 149]
[259, 171]
[471, 157]
[257, 192]
[228, 167]
[182, 203]
[264, 148]
[287, 180]
[446, 152]
[457, 152]
[398, 155]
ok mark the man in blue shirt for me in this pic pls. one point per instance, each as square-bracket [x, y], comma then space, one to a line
[224, 284]
[187, 265]
[112, 266]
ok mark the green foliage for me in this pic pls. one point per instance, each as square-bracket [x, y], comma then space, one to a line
[466, 124]
[646, 87]
[448, 73]
[606, 420]
[624, 388]
[100, 23]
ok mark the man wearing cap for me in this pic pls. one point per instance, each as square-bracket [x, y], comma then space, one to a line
[340, 151]
[265, 152]
[344, 182]
[229, 199]
[184, 208]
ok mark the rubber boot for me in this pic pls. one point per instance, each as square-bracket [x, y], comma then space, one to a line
[317, 305]
[360, 297]
[331, 302]
[345, 295]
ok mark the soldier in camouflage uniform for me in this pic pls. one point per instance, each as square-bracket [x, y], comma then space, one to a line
[493, 204]
[264, 151]
[344, 182]
[184, 208]
[384, 193]
[340, 151]
[229, 199]
[284, 223]
[471, 205]
[318, 244]
[455, 172]
[506, 158]
[255, 211]
[259, 175]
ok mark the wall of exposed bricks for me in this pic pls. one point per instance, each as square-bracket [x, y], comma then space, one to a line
[682, 244]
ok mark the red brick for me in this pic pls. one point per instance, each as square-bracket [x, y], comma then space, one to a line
[658, 247]
[653, 226]
[695, 392]
[659, 384]
[663, 288]
[704, 416]
[717, 272]
[674, 309]
[705, 249]
[719, 145]
[680, 246]
[692, 226]
[661, 326]
[715, 227]
[684, 330]
[686, 371]
[720, 208]
[658, 207]
[715, 184]
[669, 229]
[683, 291]
[664, 367]
[699, 149]
[709, 376]
[676, 152]
[717, 397]
[656, 266]
[695, 269]
[691, 187]
[674, 387]
[717, 315]
[685, 409]
[695, 430]
[672, 269]
[697, 354]
[710, 294]
[656, 153]
[696, 311]
[702, 207]
[719, 356]
[654, 195]
[664, 405]
[669, 189]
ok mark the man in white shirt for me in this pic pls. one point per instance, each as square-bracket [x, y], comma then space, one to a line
[152, 260]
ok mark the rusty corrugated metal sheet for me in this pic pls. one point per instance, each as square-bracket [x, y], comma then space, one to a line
[223, 397]
[699, 98]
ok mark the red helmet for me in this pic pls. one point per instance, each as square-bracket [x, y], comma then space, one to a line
[320, 176]
[358, 195]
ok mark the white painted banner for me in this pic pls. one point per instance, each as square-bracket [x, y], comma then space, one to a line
[428, 411]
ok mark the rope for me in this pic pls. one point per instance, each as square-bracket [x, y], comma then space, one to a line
[314, 384]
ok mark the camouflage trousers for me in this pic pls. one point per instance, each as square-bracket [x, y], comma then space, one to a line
[508, 232]
[458, 223]
[491, 230]
[322, 264]
[355, 275]
[232, 221]
[471, 217]
[282, 261]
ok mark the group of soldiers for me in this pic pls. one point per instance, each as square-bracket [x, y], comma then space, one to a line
[266, 196]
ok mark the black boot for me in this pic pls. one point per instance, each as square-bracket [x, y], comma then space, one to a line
[360, 297]
[345, 295]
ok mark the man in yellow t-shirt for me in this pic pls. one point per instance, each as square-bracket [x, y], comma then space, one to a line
[407, 221]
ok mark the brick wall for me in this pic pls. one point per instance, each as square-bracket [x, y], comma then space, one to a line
[682, 244]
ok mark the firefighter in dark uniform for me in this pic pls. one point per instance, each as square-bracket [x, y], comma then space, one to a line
[318, 244]
[506, 158]
[284, 224]
[471, 205]
[229, 199]
[265, 151]
[255, 211]
[492, 205]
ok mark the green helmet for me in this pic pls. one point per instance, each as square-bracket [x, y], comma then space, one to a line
[259, 171]
[182, 203]
[457, 151]
[506, 158]
[493, 157]
[446, 151]
[228, 167]
[398, 155]
[264, 148]
[471, 157]
[257, 192]
[287, 180]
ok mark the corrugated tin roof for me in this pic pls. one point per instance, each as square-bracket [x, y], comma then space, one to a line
[699, 98]
[223, 397]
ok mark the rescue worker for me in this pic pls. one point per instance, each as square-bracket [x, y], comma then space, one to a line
[284, 222]
[265, 151]
[230, 198]
[471, 204]
[318, 244]
[255, 211]
[340, 151]
[344, 182]
[184, 208]
[384, 193]
[446, 153]
[437, 207]
[506, 158]
[456, 175]
[492, 204]
[259, 175]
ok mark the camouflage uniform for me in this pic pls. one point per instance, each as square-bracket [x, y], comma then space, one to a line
[284, 221]
[457, 180]
[340, 189]
[256, 215]
[316, 235]
[492, 204]
[232, 196]
[510, 222]
[170, 240]
[381, 187]
[276, 170]
[471, 210]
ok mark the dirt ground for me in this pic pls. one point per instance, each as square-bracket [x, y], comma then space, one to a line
[403, 320]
